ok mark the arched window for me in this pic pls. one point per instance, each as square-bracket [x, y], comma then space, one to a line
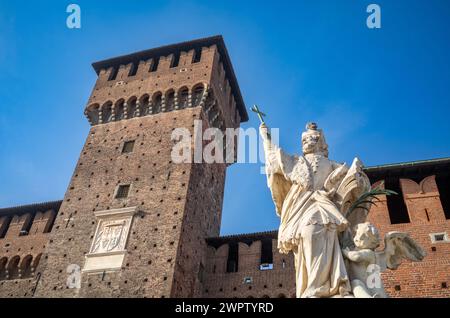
[144, 102]
[92, 114]
[197, 94]
[132, 107]
[120, 109]
[170, 100]
[25, 266]
[107, 112]
[36, 262]
[281, 296]
[183, 96]
[157, 102]
[13, 267]
[3, 262]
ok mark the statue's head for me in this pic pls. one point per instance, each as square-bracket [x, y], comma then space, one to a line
[367, 236]
[313, 140]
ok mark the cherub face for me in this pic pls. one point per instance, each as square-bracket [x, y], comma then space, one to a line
[311, 143]
[366, 236]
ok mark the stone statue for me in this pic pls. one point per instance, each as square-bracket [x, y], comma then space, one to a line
[320, 202]
[365, 262]
[310, 197]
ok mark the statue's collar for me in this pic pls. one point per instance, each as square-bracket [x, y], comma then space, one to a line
[314, 155]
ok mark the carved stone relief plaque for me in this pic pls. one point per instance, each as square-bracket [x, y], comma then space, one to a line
[108, 246]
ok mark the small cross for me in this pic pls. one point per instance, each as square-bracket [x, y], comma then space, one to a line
[260, 114]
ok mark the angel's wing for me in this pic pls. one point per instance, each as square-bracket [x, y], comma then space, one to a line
[352, 186]
[398, 246]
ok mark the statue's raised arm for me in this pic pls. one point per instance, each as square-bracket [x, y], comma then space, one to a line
[303, 189]
[278, 183]
[319, 202]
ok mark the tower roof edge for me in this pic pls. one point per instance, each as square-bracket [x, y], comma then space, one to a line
[183, 47]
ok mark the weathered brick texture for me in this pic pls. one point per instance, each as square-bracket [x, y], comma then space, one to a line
[179, 204]
[173, 247]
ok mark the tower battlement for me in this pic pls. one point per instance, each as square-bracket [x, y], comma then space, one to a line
[166, 79]
[131, 216]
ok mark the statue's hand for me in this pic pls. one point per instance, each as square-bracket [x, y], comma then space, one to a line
[264, 131]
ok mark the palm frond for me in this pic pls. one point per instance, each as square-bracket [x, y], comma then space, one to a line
[369, 198]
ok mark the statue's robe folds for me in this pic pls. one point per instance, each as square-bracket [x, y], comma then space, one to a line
[311, 223]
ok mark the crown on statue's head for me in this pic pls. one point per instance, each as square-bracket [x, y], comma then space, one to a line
[312, 129]
[311, 126]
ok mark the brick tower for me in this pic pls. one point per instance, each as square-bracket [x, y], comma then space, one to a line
[132, 222]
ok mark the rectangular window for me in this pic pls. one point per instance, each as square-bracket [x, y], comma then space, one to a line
[113, 74]
[128, 146]
[133, 69]
[233, 256]
[439, 237]
[154, 65]
[197, 55]
[28, 222]
[398, 212]
[443, 184]
[4, 226]
[266, 252]
[122, 191]
[175, 60]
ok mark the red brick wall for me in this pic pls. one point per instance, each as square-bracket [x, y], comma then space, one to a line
[278, 282]
[180, 204]
[422, 279]
[21, 254]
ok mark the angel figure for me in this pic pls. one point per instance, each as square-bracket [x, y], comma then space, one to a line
[311, 194]
[365, 264]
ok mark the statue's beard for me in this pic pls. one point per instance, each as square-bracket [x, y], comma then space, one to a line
[315, 149]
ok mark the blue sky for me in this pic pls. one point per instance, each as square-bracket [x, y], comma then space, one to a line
[382, 95]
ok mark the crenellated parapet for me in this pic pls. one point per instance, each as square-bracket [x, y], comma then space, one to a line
[422, 195]
[167, 79]
[422, 209]
[248, 265]
[24, 233]
[422, 200]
